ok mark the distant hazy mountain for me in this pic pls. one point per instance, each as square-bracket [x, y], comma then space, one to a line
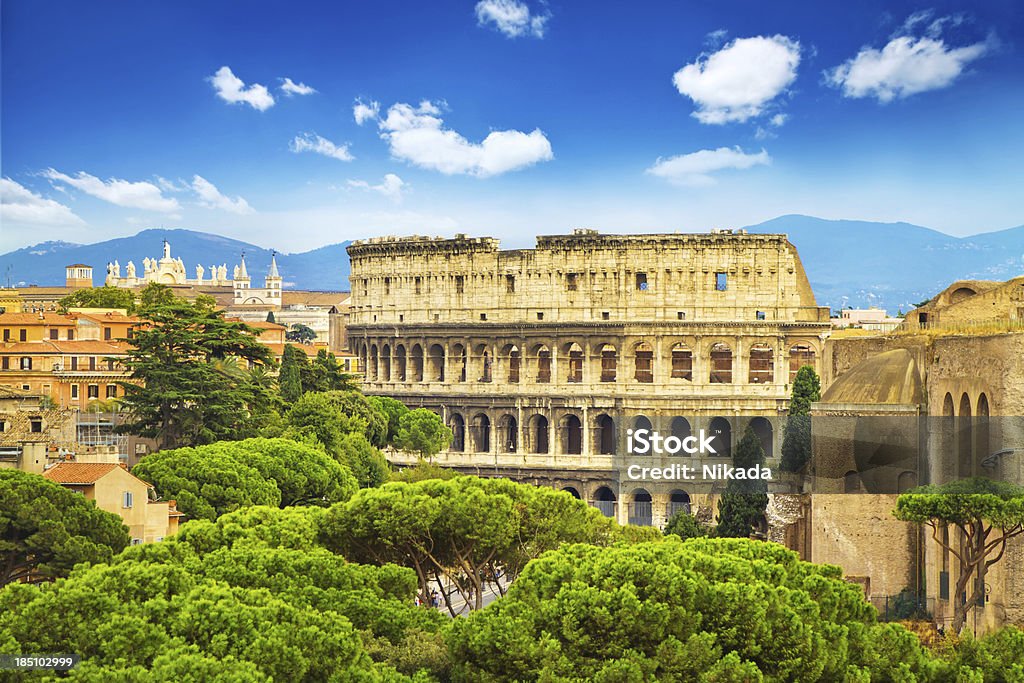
[893, 265]
[849, 263]
[325, 268]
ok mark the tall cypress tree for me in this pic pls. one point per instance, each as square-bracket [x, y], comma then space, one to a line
[796, 442]
[744, 500]
[290, 379]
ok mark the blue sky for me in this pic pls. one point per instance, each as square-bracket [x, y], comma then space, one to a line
[504, 117]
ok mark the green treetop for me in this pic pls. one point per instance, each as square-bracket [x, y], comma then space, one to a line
[744, 501]
[796, 440]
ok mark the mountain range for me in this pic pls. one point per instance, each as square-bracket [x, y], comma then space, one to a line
[849, 263]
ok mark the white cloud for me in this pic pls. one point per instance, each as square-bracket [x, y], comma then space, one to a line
[289, 87]
[512, 17]
[907, 65]
[364, 112]
[695, 169]
[137, 195]
[211, 198]
[232, 89]
[418, 135]
[18, 204]
[310, 142]
[391, 187]
[737, 82]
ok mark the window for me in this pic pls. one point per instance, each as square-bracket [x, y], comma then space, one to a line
[644, 370]
[680, 315]
[6, 363]
[510, 284]
[110, 365]
[71, 335]
[641, 282]
[571, 282]
[74, 391]
[606, 315]
[543, 366]
[419, 285]
[111, 391]
[540, 316]
[93, 391]
[7, 335]
[401, 317]
[682, 363]
[74, 362]
[387, 285]
[483, 316]
[22, 335]
[760, 315]
[26, 363]
[25, 387]
[721, 364]
[127, 499]
[53, 333]
[608, 363]
[107, 333]
[92, 362]
[460, 284]
[721, 281]
[36, 425]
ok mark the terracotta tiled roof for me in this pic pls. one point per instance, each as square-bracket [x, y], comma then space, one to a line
[28, 319]
[79, 472]
[278, 349]
[112, 317]
[48, 347]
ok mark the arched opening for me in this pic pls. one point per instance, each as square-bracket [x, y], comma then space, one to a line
[460, 360]
[417, 363]
[543, 358]
[373, 363]
[512, 358]
[762, 364]
[604, 500]
[641, 511]
[481, 430]
[458, 427]
[681, 429]
[721, 364]
[960, 294]
[678, 502]
[609, 363]
[435, 363]
[799, 356]
[644, 362]
[682, 362]
[400, 367]
[762, 428]
[364, 358]
[572, 430]
[641, 422]
[385, 363]
[509, 429]
[947, 446]
[575, 369]
[605, 435]
[484, 357]
[573, 492]
[539, 433]
[964, 450]
[721, 437]
[982, 444]
[906, 481]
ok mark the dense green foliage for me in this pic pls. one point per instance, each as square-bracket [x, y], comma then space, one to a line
[393, 410]
[99, 297]
[250, 597]
[703, 610]
[189, 382]
[796, 439]
[329, 416]
[208, 481]
[304, 334]
[365, 461]
[684, 525]
[424, 432]
[289, 379]
[463, 527]
[46, 529]
[975, 508]
[744, 501]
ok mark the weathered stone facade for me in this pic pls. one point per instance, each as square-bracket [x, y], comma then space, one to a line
[541, 359]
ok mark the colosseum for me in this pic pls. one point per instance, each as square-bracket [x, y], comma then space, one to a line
[541, 359]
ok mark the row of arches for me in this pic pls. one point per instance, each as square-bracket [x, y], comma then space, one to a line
[640, 504]
[478, 432]
[965, 431]
[480, 362]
